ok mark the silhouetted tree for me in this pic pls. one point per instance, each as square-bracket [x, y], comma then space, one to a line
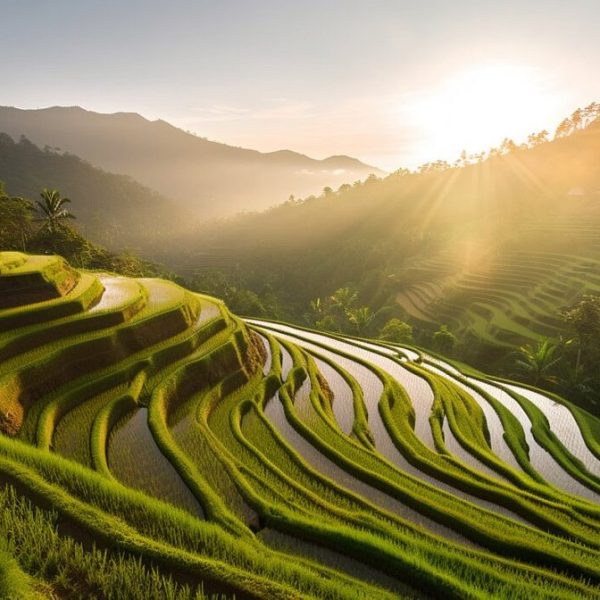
[54, 214]
[580, 119]
[535, 139]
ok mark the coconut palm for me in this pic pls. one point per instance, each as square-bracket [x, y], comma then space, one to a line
[538, 362]
[344, 298]
[52, 210]
[360, 317]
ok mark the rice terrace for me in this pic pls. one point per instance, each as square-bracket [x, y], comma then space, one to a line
[158, 444]
[300, 300]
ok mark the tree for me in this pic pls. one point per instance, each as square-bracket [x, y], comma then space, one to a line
[575, 382]
[344, 298]
[361, 318]
[584, 318]
[507, 146]
[15, 221]
[52, 209]
[535, 139]
[444, 340]
[397, 331]
[339, 307]
[327, 323]
[538, 362]
[317, 310]
[580, 119]
[581, 376]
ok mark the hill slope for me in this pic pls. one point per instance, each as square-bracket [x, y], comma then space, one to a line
[158, 446]
[112, 209]
[494, 249]
[214, 179]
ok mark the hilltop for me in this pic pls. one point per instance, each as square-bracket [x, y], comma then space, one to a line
[210, 178]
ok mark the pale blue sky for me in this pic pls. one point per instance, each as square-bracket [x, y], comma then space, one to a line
[388, 81]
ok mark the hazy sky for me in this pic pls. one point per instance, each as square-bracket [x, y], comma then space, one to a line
[394, 83]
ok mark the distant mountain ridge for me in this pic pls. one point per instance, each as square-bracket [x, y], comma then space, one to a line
[212, 178]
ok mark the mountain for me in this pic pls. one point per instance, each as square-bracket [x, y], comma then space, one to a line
[214, 179]
[111, 209]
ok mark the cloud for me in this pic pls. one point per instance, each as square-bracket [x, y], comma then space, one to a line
[336, 172]
[272, 108]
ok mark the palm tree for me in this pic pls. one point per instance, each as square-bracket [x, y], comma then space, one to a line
[316, 306]
[344, 298]
[537, 362]
[360, 317]
[576, 382]
[52, 209]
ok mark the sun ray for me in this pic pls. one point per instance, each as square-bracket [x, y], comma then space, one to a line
[477, 108]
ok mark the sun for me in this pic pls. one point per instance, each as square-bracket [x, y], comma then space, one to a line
[476, 108]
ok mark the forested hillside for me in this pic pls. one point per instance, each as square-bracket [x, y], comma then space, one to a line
[111, 209]
[495, 246]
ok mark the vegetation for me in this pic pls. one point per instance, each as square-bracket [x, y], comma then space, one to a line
[444, 340]
[50, 233]
[154, 446]
[112, 210]
[52, 210]
[496, 247]
[397, 331]
[206, 177]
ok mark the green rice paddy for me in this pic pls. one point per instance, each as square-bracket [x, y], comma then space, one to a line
[157, 446]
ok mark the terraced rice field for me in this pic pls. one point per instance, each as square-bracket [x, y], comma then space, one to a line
[511, 297]
[157, 446]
